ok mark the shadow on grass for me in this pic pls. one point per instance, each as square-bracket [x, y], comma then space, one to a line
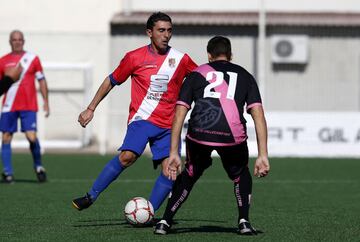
[199, 220]
[118, 222]
[124, 224]
[204, 229]
[208, 229]
[100, 224]
[99, 220]
[156, 220]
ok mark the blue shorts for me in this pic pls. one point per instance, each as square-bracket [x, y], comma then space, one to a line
[9, 121]
[141, 132]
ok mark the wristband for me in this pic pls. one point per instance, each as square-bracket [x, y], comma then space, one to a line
[93, 110]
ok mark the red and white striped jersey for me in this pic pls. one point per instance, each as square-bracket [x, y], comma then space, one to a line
[22, 94]
[155, 83]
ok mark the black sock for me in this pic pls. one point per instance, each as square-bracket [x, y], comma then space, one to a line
[181, 190]
[242, 191]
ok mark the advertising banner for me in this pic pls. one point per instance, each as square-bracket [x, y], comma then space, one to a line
[307, 134]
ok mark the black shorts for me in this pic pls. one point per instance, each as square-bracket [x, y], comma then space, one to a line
[234, 158]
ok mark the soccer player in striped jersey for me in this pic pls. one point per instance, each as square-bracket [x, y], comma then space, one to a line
[20, 102]
[220, 89]
[157, 72]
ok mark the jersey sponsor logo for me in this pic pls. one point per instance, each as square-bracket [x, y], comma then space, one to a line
[212, 132]
[153, 96]
[159, 83]
[10, 64]
[150, 66]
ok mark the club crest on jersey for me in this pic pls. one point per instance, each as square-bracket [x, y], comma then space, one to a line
[207, 114]
[172, 62]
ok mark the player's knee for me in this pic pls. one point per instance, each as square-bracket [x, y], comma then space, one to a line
[235, 172]
[6, 138]
[31, 140]
[127, 158]
[185, 177]
[31, 136]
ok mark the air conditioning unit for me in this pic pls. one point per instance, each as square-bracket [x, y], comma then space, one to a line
[289, 49]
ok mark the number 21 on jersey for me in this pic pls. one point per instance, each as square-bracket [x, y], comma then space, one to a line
[219, 79]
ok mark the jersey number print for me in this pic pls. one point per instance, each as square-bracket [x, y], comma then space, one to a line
[219, 79]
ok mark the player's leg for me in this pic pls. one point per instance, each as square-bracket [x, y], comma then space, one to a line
[235, 162]
[29, 127]
[134, 144]
[197, 161]
[36, 154]
[160, 148]
[35, 148]
[111, 171]
[6, 156]
[8, 125]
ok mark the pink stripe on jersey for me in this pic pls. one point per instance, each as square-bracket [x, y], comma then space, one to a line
[237, 179]
[212, 143]
[228, 105]
[253, 105]
[183, 104]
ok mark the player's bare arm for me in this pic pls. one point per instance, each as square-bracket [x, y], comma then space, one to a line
[45, 94]
[262, 165]
[174, 159]
[87, 115]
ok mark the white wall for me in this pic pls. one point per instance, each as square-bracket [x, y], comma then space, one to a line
[61, 31]
[75, 31]
[245, 5]
[75, 16]
[329, 82]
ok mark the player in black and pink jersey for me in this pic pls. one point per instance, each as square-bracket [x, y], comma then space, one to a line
[220, 89]
[157, 72]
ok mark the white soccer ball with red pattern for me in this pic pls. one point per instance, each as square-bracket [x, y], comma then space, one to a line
[139, 211]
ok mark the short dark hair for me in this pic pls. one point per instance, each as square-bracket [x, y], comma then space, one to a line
[219, 45]
[158, 16]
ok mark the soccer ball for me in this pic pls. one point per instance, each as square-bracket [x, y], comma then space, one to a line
[139, 211]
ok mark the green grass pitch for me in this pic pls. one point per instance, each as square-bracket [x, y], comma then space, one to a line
[301, 200]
